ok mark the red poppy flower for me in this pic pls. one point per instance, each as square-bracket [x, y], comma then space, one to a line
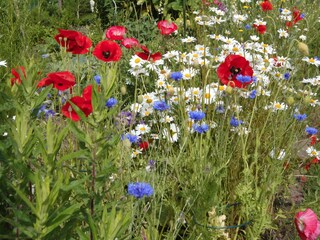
[60, 80]
[75, 42]
[116, 32]
[297, 16]
[107, 51]
[87, 93]
[146, 55]
[266, 5]
[130, 43]
[260, 28]
[307, 225]
[16, 73]
[231, 68]
[144, 146]
[166, 28]
[84, 105]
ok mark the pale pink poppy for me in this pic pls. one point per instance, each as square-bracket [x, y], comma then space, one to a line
[166, 27]
[307, 225]
[116, 32]
[130, 43]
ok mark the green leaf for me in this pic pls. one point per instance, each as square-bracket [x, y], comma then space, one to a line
[43, 95]
[63, 215]
[25, 199]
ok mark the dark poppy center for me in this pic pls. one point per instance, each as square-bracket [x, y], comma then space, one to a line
[60, 84]
[235, 70]
[106, 54]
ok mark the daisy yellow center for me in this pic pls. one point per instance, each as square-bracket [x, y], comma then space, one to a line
[314, 152]
[187, 75]
[149, 100]
[137, 60]
[207, 95]
[221, 88]
[195, 55]
[142, 129]
[235, 49]
[311, 60]
[195, 92]
[277, 105]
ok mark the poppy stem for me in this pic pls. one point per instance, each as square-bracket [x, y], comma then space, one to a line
[93, 186]
[184, 18]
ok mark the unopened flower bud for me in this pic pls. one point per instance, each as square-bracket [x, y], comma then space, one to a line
[229, 90]
[290, 100]
[123, 90]
[303, 48]
[140, 99]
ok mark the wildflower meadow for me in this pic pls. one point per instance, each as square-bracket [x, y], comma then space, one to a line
[162, 119]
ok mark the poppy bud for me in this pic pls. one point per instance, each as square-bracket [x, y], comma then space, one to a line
[140, 99]
[123, 90]
[290, 100]
[303, 48]
[229, 90]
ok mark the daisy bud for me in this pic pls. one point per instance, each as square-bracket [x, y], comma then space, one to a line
[290, 100]
[229, 90]
[123, 90]
[140, 99]
[303, 48]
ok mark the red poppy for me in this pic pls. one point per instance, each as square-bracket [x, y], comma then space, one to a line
[16, 73]
[60, 80]
[107, 51]
[166, 27]
[307, 225]
[116, 32]
[144, 146]
[233, 66]
[130, 43]
[297, 16]
[84, 105]
[260, 28]
[146, 55]
[87, 93]
[74, 41]
[266, 5]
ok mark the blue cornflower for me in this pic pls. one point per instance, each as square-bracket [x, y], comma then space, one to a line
[132, 138]
[111, 102]
[220, 109]
[300, 117]
[196, 115]
[311, 130]
[160, 105]
[42, 109]
[247, 26]
[235, 122]
[200, 128]
[140, 189]
[243, 79]
[49, 113]
[280, 10]
[286, 76]
[176, 76]
[97, 78]
[302, 15]
[253, 94]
